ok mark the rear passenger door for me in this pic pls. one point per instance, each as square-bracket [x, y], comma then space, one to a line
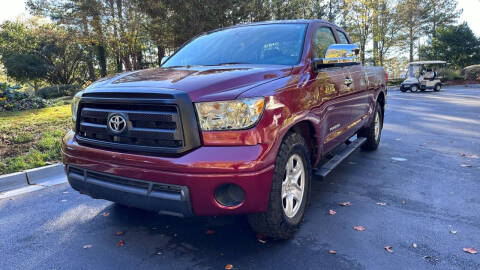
[358, 90]
[333, 108]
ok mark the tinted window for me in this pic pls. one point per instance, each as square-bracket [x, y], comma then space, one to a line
[343, 38]
[323, 38]
[278, 44]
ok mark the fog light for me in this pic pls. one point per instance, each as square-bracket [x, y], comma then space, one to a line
[229, 195]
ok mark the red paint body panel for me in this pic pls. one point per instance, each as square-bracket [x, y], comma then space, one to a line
[246, 157]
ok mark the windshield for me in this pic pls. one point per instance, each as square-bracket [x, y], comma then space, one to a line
[414, 71]
[276, 44]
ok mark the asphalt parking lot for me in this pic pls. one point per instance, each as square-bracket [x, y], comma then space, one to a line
[419, 193]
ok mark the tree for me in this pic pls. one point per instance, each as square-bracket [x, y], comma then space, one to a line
[357, 21]
[456, 44]
[26, 68]
[413, 17]
[440, 13]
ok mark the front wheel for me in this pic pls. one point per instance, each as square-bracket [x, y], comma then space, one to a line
[374, 131]
[437, 88]
[289, 193]
[414, 88]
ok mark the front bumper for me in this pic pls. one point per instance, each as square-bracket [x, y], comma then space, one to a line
[193, 177]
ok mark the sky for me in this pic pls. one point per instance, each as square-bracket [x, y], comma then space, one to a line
[11, 9]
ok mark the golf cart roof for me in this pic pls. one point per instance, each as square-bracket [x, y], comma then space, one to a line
[419, 63]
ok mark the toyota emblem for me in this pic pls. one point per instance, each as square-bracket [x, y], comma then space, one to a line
[117, 123]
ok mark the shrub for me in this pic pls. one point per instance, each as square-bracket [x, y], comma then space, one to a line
[13, 99]
[472, 73]
[450, 74]
[56, 91]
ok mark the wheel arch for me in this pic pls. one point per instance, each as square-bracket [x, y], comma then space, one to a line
[306, 129]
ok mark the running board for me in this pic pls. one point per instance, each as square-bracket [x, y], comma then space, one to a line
[326, 168]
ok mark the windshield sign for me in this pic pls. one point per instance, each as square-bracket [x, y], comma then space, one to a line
[271, 44]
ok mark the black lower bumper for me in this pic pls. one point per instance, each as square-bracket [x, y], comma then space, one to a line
[163, 198]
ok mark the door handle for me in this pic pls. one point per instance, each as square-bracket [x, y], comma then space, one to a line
[348, 81]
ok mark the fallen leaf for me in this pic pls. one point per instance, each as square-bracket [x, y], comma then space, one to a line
[159, 253]
[466, 165]
[473, 156]
[359, 228]
[404, 202]
[389, 249]
[381, 203]
[121, 243]
[210, 232]
[331, 251]
[87, 246]
[345, 204]
[331, 212]
[119, 233]
[453, 232]
[105, 214]
[65, 192]
[470, 250]
[415, 245]
[261, 238]
[427, 257]
[63, 200]
[228, 267]
[399, 159]
[462, 154]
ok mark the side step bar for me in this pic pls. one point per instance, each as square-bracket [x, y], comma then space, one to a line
[326, 168]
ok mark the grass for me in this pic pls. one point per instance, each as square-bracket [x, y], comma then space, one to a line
[30, 139]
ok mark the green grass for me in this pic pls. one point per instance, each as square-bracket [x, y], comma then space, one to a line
[30, 139]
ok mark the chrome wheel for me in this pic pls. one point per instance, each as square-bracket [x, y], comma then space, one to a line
[413, 88]
[293, 186]
[377, 125]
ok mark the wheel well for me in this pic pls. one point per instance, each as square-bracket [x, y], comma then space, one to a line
[307, 131]
[381, 101]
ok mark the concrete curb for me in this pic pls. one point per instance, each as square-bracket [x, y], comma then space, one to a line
[30, 180]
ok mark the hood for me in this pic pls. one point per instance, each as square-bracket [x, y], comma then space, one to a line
[202, 83]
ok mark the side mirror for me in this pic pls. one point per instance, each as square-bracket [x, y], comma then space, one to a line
[339, 55]
[164, 59]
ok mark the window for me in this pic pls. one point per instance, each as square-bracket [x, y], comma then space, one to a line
[343, 38]
[323, 39]
[275, 44]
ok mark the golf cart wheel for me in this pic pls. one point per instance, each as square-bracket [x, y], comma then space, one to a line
[437, 87]
[414, 88]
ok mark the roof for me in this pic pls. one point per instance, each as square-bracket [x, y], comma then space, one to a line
[427, 62]
[290, 21]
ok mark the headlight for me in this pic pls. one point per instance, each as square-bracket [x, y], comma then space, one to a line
[230, 115]
[75, 101]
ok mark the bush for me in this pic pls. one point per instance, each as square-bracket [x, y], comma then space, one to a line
[472, 73]
[56, 91]
[450, 74]
[13, 99]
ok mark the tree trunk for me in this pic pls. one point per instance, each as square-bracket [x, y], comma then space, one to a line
[160, 54]
[91, 70]
[102, 59]
[411, 43]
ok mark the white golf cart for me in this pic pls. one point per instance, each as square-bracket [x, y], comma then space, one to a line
[421, 75]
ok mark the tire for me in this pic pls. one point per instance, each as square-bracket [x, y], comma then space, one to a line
[281, 221]
[371, 133]
[414, 88]
[403, 89]
[437, 87]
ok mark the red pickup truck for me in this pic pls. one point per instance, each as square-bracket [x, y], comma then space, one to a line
[237, 121]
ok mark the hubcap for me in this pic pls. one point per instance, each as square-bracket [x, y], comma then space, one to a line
[293, 186]
[377, 125]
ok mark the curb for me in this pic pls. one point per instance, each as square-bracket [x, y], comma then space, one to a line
[33, 179]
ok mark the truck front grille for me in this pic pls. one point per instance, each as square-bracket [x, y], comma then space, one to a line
[152, 123]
